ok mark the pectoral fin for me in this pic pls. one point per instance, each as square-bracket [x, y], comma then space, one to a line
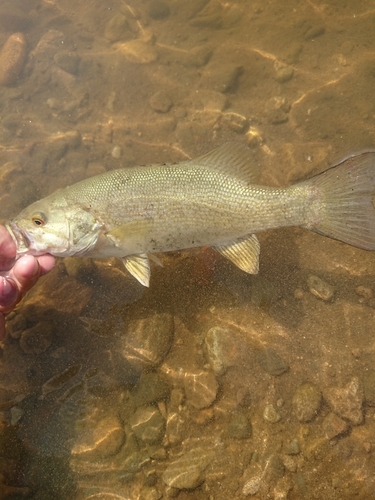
[139, 267]
[244, 253]
[137, 230]
[155, 259]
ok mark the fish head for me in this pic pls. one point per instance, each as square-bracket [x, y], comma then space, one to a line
[56, 227]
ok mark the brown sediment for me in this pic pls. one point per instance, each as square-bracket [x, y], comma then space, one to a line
[12, 59]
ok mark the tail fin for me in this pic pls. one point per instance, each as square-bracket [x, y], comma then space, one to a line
[343, 208]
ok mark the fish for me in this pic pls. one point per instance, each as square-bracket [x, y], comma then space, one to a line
[215, 200]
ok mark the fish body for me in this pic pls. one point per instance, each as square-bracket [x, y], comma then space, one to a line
[213, 201]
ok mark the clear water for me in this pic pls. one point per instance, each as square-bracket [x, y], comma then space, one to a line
[194, 388]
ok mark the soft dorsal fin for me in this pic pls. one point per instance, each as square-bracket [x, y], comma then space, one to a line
[231, 158]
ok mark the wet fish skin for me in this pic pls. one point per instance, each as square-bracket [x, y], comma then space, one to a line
[213, 200]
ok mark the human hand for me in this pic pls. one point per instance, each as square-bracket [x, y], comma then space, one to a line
[20, 275]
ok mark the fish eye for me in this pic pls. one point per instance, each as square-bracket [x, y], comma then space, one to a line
[38, 219]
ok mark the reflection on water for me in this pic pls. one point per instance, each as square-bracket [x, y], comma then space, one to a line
[212, 383]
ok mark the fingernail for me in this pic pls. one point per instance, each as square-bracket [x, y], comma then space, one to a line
[9, 291]
[8, 287]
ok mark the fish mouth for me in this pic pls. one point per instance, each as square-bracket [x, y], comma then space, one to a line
[19, 237]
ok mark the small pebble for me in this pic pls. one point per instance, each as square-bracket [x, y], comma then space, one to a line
[367, 446]
[277, 109]
[116, 152]
[284, 74]
[347, 401]
[139, 51]
[148, 425]
[98, 440]
[320, 288]
[239, 426]
[16, 414]
[364, 292]
[187, 472]
[252, 486]
[274, 468]
[218, 343]
[270, 414]
[148, 340]
[12, 59]
[306, 402]
[293, 447]
[314, 32]
[161, 102]
[289, 463]
[271, 362]
[150, 388]
[221, 78]
[333, 426]
[201, 388]
[234, 121]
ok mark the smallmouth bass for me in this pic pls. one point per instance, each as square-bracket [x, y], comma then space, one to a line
[213, 200]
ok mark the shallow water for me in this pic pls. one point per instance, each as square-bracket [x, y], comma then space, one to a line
[211, 384]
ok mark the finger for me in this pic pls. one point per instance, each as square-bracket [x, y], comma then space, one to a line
[46, 263]
[7, 249]
[9, 294]
[26, 272]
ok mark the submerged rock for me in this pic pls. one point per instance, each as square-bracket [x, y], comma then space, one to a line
[239, 426]
[219, 342]
[150, 389]
[161, 102]
[201, 388]
[147, 341]
[306, 402]
[320, 288]
[117, 28]
[271, 362]
[12, 59]
[187, 472]
[334, 426]
[347, 401]
[100, 440]
[148, 425]
[270, 414]
[139, 51]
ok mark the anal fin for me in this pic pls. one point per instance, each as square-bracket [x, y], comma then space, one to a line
[139, 267]
[243, 252]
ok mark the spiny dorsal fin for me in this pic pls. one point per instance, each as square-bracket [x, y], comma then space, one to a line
[231, 158]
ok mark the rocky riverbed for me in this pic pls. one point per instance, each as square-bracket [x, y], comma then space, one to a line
[210, 384]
